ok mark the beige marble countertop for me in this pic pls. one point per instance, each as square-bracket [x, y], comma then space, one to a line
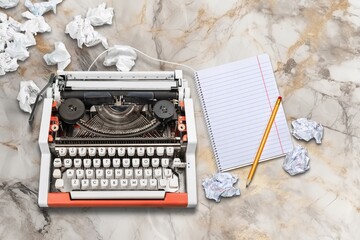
[314, 47]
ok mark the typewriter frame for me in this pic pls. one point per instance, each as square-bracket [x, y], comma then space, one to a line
[101, 80]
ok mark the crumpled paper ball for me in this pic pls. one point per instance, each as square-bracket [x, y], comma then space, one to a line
[59, 56]
[100, 15]
[27, 95]
[122, 56]
[305, 129]
[297, 161]
[220, 185]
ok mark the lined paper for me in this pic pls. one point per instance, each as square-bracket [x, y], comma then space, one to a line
[237, 99]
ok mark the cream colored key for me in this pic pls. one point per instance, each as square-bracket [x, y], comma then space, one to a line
[145, 162]
[148, 173]
[162, 183]
[89, 173]
[177, 163]
[85, 184]
[77, 162]
[165, 162]
[72, 151]
[96, 162]
[94, 183]
[155, 162]
[135, 162]
[104, 183]
[56, 173]
[140, 151]
[126, 162]
[99, 173]
[67, 162]
[150, 151]
[134, 183]
[131, 151]
[160, 151]
[138, 173]
[167, 173]
[101, 151]
[121, 151]
[59, 184]
[82, 152]
[174, 183]
[75, 184]
[170, 151]
[153, 183]
[106, 162]
[157, 173]
[116, 162]
[87, 162]
[70, 173]
[62, 152]
[143, 183]
[92, 151]
[128, 173]
[109, 173]
[114, 183]
[80, 173]
[111, 151]
[124, 183]
[119, 173]
[57, 162]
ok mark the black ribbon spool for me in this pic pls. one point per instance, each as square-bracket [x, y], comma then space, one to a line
[164, 109]
[71, 110]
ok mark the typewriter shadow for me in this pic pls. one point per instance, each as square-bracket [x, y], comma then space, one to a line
[120, 211]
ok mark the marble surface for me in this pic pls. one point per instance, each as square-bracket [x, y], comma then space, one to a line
[314, 47]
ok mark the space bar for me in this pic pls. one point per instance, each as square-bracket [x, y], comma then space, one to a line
[117, 195]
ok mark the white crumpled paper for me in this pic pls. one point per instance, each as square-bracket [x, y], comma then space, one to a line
[296, 161]
[27, 95]
[3, 17]
[9, 49]
[59, 56]
[82, 30]
[12, 23]
[305, 129]
[100, 15]
[8, 3]
[35, 24]
[13, 44]
[8, 27]
[122, 56]
[220, 185]
[38, 9]
[7, 63]
[27, 38]
[18, 47]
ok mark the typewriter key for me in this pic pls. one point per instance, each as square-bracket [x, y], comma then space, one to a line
[71, 110]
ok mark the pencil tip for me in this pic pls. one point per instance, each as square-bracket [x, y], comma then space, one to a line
[248, 183]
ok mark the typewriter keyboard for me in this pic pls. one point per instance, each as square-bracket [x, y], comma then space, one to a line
[116, 168]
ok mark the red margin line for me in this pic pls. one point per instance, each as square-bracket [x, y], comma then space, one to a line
[267, 94]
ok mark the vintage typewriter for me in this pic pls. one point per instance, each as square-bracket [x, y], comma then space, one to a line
[117, 139]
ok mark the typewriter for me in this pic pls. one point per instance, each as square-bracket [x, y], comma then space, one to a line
[112, 139]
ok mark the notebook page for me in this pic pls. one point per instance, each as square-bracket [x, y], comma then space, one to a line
[238, 99]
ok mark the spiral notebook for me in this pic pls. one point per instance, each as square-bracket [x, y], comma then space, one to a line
[237, 100]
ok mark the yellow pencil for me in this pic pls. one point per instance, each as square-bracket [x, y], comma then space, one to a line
[263, 141]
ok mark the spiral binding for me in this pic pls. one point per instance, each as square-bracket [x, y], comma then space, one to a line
[207, 121]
